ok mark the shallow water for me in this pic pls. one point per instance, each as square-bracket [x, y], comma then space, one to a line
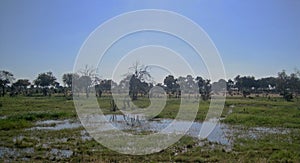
[222, 133]
[61, 153]
[218, 135]
[6, 152]
[56, 125]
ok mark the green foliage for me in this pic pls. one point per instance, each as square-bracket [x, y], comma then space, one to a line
[68, 78]
[5, 78]
[45, 79]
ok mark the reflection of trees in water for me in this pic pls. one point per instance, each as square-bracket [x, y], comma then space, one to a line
[133, 120]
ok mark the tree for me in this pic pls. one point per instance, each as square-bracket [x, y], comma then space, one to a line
[141, 72]
[138, 75]
[288, 85]
[282, 81]
[68, 80]
[297, 72]
[134, 87]
[104, 86]
[87, 79]
[170, 83]
[57, 88]
[206, 92]
[84, 82]
[200, 83]
[266, 85]
[219, 86]
[230, 86]
[190, 85]
[21, 85]
[45, 80]
[246, 84]
[5, 78]
[145, 88]
[282, 85]
[294, 83]
[204, 87]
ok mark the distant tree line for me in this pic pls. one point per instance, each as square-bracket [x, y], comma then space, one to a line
[139, 83]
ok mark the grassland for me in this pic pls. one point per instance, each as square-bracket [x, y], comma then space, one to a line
[18, 114]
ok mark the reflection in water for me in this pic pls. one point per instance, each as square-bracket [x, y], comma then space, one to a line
[137, 124]
[124, 123]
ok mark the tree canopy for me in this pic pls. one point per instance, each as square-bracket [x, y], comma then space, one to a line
[139, 81]
[45, 80]
[5, 79]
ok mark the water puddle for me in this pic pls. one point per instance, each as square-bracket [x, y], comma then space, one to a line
[222, 134]
[56, 125]
[257, 132]
[84, 135]
[218, 135]
[13, 153]
[60, 153]
[25, 154]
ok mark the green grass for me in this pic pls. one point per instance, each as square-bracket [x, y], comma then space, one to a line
[21, 113]
[22, 105]
[249, 112]
[9, 124]
[264, 112]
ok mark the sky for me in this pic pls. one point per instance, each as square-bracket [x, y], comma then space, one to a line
[257, 38]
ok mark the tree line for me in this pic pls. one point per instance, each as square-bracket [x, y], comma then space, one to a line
[139, 83]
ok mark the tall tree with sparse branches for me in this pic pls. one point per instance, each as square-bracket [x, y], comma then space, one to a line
[139, 75]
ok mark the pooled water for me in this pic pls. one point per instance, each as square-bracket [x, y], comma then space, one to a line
[56, 125]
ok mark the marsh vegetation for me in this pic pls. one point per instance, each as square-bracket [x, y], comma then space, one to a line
[46, 128]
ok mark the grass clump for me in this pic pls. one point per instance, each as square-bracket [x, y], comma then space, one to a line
[9, 124]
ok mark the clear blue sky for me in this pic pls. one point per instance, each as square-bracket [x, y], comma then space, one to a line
[254, 37]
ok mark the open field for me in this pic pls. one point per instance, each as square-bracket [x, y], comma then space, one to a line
[46, 128]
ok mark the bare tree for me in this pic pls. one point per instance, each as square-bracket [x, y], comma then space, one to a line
[87, 79]
[138, 76]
